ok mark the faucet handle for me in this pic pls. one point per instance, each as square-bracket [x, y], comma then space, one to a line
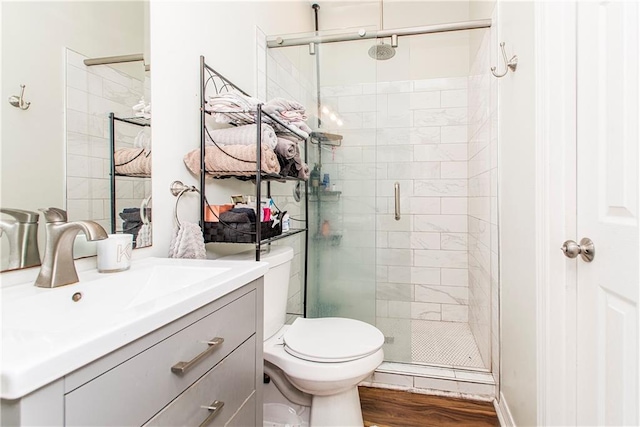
[54, 214]
[26, 217]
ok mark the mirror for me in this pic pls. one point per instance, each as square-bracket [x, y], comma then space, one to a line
[57, 152]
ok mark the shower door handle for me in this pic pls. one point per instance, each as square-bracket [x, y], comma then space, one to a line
[396, 191]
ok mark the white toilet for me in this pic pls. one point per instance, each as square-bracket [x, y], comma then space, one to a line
[325, 358]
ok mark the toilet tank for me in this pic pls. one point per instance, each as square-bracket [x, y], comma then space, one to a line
[276, 284]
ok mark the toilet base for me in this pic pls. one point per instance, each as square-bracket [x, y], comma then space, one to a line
[337, 410]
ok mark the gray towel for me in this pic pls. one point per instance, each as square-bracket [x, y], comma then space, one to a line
[286, 148]
[230, 216]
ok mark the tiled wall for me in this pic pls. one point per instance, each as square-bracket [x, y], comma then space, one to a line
[414, 133]
[92, 93]
[483, 218]
[279, 77]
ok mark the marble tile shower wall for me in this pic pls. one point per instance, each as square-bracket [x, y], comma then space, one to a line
[91, 94]
[415, 133]
[278, 77]
[482, 219]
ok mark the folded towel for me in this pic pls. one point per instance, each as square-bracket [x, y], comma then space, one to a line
[231, 100]
[294, 167]
[232, 107]
[132, 221]
[290, 112]
[243, 135]
[232, 217]
[299, 128]
[304, 172]
[187, 242]
[286, 106]
[286, 148]
[232, 160]
[142, 140]
[133, 161]
[144, 236]
[247, 211]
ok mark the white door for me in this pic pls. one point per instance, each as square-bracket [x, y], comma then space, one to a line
[608, 189]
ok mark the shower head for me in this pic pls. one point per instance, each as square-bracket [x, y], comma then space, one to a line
[381, 51]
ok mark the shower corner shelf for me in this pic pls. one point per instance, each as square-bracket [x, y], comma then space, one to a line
[211, 79]
[331, 239]
[325, 195]
[325, 138]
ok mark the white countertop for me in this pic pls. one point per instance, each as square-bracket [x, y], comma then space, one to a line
[46, 335]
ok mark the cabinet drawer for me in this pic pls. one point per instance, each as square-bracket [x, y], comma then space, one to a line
[132, 392]
[232, 381]
[246, 416]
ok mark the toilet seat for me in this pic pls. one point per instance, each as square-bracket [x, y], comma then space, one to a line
[332, 339]
[312, 377]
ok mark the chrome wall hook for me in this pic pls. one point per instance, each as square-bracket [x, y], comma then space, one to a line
[18, 101]
[510, 64]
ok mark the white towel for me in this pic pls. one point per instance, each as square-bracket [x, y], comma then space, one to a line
[187, 242]
[144, 236]
[142, 140]
[243, 135]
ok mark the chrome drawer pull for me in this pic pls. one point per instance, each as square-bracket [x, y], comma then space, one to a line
[214, 408]
[182, 368]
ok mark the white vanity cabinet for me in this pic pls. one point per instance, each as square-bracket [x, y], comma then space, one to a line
[204, 368]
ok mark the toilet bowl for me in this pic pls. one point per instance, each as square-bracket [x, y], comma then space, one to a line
[325, 358]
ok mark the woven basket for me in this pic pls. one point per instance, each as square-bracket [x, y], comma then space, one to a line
[239, 232]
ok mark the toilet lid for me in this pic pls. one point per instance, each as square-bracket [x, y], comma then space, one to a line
[332, 339]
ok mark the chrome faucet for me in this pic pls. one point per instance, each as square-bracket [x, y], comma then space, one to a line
[22, 233]
[58, 267]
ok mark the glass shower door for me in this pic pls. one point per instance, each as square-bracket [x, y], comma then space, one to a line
[420, 122]
[342, 249]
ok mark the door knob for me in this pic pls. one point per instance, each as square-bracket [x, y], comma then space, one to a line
[585, 249]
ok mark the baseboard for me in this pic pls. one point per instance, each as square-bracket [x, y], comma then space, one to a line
[503, 412]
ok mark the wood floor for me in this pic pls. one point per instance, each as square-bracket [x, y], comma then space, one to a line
[392, 408]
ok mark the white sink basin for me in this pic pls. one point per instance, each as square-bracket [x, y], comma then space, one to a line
[93, 302]
[47, 333]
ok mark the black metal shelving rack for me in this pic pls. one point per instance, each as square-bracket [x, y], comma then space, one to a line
[137, 121]
[213, 83]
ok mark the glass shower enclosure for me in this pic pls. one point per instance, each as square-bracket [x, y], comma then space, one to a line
[402, 232]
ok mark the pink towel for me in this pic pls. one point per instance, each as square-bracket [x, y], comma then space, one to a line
[133, 161]
[232, 160]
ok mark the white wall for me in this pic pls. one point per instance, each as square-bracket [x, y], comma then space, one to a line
[225, 33]
[483, 183]
[517, 115]
[34, 35]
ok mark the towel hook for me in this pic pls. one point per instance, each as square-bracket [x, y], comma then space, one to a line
[510, 64]
[177, 188]
[18, 101]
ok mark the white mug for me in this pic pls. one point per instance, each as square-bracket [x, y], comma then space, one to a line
[114, 253]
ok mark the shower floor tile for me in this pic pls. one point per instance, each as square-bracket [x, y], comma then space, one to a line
[444, 343]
